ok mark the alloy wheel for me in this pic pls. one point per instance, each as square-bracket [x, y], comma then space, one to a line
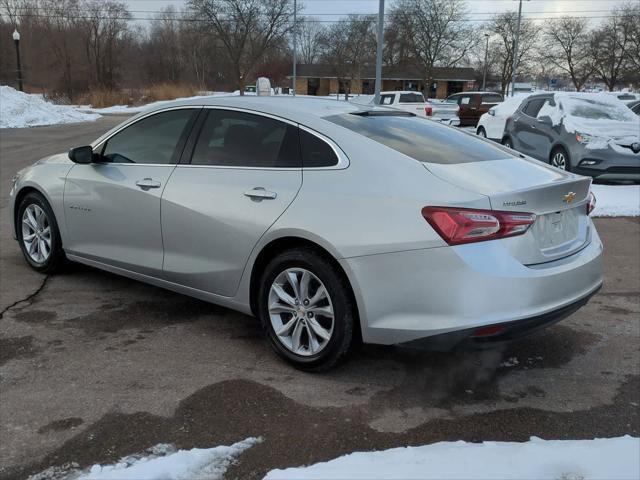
[559, 160]
[36, 233]
[301, 311]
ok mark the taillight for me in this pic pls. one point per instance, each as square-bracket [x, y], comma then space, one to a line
[591, 203]
[466, 225]
[428, 111]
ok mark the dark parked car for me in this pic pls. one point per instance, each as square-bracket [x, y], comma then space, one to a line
[587, 133]
[473, 104]
[635, 107]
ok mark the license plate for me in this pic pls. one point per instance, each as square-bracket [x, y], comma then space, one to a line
[556, 228]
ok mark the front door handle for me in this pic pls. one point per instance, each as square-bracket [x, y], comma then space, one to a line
[147, 183]
[259, 193]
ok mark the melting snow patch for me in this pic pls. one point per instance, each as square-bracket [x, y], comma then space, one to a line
[19, 110]
[617, 458]
[616, 200]
[162, 462]
[511, 362]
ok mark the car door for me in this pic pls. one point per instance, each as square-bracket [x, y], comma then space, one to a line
[245, 169]
[525, 125]
[465, 112]
[112, 206]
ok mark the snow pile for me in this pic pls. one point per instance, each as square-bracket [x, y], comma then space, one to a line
[617, 458]
[163, 462]
[19, 110]
[509, 105]
[125, 109]
[616, 200]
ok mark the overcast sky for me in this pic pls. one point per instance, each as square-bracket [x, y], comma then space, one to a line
[479, 9]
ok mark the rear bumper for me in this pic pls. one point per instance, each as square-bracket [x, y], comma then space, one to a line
[504, 332]
[407, 296]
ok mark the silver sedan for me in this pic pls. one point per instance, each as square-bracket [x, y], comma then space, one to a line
[331, 222]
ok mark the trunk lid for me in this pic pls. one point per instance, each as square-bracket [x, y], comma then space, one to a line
[558, 198]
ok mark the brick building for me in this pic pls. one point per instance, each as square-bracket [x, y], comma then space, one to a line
[321, 80]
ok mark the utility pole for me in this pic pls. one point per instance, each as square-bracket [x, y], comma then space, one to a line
[295, 42]
[515, 51]
[378, 86]
[16, 40]
[486, 56]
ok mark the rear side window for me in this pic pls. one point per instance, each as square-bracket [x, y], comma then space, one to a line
[491, 98]
[533, 106]
[411, 98]
[421, 139]
[465, 100]
[315, 151]
[238, 139]
[152, 140]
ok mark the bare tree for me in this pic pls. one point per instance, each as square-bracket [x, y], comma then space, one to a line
[348, 45]
[503, 26]
[105, 27]
[566, 46]
[611, 44]
[438, 32]
[60, 26]
[630, 14]
[246, 29]
[310, 33]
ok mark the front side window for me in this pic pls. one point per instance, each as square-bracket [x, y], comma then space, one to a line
[152, 140]
[239, 139]
[386, 99]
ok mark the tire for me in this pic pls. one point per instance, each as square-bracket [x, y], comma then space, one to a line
[35, 218]
[312, 351]
[559, 158]
[481, 131]
[506, 141]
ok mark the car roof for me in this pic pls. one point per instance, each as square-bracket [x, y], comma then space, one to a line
[389, 92]
[296, 109]
[475, 93]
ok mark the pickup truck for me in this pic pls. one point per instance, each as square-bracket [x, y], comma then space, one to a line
[472, 105]
[414, 102]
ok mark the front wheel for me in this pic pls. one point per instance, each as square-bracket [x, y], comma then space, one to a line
[560, 159]
[506, 141]
[481, 131]
[38, 234]
[306, 310]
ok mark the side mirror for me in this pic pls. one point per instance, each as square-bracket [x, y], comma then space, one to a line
[545, 120]
[81, 154]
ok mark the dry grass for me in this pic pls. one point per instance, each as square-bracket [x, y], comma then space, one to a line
[98, 98]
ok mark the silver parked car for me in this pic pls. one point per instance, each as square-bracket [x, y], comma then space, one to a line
[591, 134]
[333, 223]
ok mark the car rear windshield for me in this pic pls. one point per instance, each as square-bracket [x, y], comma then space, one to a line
[411, 98]
[421, 139]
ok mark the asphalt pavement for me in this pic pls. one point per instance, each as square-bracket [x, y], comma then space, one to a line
[94, 367]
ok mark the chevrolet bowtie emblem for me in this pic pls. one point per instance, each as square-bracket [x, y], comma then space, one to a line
[568, 198]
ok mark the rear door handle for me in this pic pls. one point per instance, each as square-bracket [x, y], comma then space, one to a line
[147, 183]
[259, 193]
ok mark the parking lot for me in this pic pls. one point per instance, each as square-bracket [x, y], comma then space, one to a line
[95, 366]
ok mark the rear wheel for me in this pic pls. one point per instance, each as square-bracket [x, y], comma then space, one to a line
[38, 234]
[306, 310]
[506, 141]
[481, 131]
[560, 159]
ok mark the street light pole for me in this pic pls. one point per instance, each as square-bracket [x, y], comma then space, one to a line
[378, 85]
[515, 51]
[486, 56]
[295, 42]
[16, 40]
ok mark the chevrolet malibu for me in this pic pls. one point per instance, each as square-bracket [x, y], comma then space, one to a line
[333, 223]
